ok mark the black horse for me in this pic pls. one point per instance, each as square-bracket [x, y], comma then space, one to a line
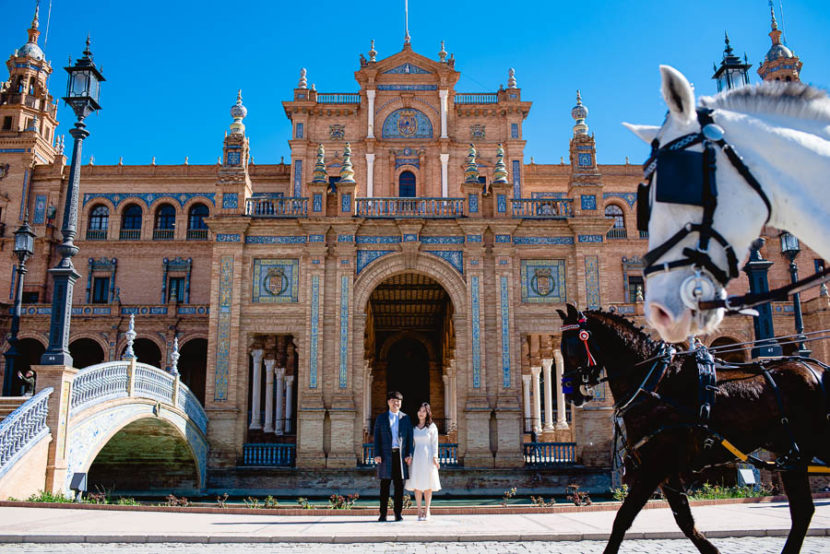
[667, 437]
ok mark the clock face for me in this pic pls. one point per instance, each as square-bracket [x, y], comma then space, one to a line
[585, 159]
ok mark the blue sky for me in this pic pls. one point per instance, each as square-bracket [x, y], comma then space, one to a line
[173, 67]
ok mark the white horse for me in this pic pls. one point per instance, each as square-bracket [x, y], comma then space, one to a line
[782, 132]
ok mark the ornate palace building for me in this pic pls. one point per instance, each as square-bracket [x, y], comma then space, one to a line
[407, 245]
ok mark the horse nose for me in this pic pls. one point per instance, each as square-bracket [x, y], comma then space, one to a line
[659, 316]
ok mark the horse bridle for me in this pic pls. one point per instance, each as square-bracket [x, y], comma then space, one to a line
[676, 162]
[588, 373]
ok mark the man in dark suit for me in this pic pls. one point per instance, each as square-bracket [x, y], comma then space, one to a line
[393, 452]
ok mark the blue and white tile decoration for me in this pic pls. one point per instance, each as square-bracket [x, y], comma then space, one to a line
[378, 239]
[592, 282]
[228, 237]
[517, 179]
[316, 238]
[410, 237]
[626, 310]
[365, 257]
[503, 239]
[270, 239]
[589, 238]
[543, 281]
[589, 201]
[547, 195]
[298, 178]
[40, 209]
[406, 123]
[275, 281]
[472, 201]
[629, 197]
[317, 202]
[406, 69]
[476, 313]
[223, 342]
[540, 241]
[501, 202]
[442, 240]
[230, 201]
[473, 238]
[454, 257]
[407, 87]
[315, 320]
[344, 331]
[505, 332]
[346, 202]
[414, 162]
[149, 197]
[345, 238]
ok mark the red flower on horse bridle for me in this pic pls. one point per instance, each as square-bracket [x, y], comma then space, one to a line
[583, 335]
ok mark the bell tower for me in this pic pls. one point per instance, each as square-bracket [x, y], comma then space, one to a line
[780, 63]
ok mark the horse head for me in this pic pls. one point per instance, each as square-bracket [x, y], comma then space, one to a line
[581, 371]
[700, 215]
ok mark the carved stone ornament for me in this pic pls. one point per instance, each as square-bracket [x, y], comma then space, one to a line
[337, 132]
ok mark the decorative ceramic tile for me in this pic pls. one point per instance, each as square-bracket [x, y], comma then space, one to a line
[476, 314]
[503, 239]
[230, 201]
[365, 257]
[472, 201]
[589, 202]
[337, 131]
[547, 195]
[316, 238]
[233, 158]
[543, 281]
[589, 238]
[346, 202]
[406, 69]
[626, 310]
[517, 179]
[344, 331]
[407, 123]
[315, 319]
[407, 87]
[415, 162]
[501, 203]
[298, 178]
[505, 331]
[592, 282]
[317, 202]
[477, 132]
[275, 280]
[629, 197]
[228, 237]
[345, 238]
[442, 240]
[454, 257]
[268, 239]
[378, 239]
[40, 209]
[536, 241]
[223, 341]
[410, 237]
[149, 197]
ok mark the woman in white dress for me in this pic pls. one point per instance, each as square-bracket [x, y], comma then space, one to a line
[423, 471]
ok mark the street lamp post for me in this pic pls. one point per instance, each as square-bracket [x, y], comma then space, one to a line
[24, 247]
[756, 270]
[790, 249]
[82, 93]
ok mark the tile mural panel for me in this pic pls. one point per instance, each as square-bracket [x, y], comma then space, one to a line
[592, 282]
[315, 331]
[275, 280]
[543, 281]
[223, 342]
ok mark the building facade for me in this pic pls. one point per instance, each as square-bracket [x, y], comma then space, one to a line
[406, 245]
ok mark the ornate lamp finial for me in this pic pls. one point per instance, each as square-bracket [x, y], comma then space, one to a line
[579, 113]
[320, 176]
[129, 354]
[238, 113]
[728, 49]
[511, 79]
[442, 55]
[772, 14]
[174, 358]
[471, 169]
[303, 83]
[347, 172]
[500, 171]
[372, 52]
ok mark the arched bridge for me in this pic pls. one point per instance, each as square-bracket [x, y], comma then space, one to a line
[129, 426]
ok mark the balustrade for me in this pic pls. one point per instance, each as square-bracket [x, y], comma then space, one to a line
[397, 207]
[23, 428]
[338, 98]
[447, 454]
[153, 383]
[617, 233]
[269, 454]
[476, 98]
[277, 207]
[129, 234]
[549, 453]
[99, 383]
[542, 208]
[96, 234]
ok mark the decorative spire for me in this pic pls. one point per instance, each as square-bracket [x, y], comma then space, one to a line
[33, 31]
[320, 176]
[579, 113]
[303, 83]
[500, 171]
[471, 169]
[373, 54]
[87, 52]
[347, 172]
[511, 78]
[442, 55]
[174, 358]
[238, 113]
[772, 15]
[407, 40]
[129, 354]
[728, 50]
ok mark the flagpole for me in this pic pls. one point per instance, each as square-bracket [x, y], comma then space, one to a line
[406, 21]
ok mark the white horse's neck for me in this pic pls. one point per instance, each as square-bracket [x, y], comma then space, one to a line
[791, 159]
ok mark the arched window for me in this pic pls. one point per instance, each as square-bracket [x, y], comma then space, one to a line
[131, 222]
[406, 185]
[196, 226]
[99, 219]
[612, 211]
[165, 222]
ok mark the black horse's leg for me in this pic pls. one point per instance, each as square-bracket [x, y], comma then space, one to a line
[639, 492]
[797, 487]
[683, 516]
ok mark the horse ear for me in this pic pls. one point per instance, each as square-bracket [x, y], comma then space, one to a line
[572, 312]
[678, 93]
[562, 315]
[647, 133]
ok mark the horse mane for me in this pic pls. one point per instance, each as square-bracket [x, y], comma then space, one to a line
[793, 99]
[632, 335]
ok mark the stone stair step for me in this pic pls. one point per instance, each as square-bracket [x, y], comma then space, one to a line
[8, 404]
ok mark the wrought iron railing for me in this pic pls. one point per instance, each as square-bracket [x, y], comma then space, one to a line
[617, 233]
[163, 234]
[277, 207]
[23, 428]
[283, 455]
[447, 454]
[338, 98]
[391, 207]
[477, 98]
[549, 453]
[197, 234]
[542, 208]
[129, 234]
[96, 234]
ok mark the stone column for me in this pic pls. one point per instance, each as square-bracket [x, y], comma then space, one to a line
[537, 401]
[445, 161]
[446, 378]
[370, 95]
[526, 389]
[367, 398]
[561, 406]
[546, 367]
[453, 399]
[269, 396]
[443, 94]
[289, 402]
[370, 174]
[256, 389]
[279, 428]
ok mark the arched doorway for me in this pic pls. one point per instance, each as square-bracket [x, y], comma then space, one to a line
[735, 354]
[85, 352]
[193, 365]
[409, 342]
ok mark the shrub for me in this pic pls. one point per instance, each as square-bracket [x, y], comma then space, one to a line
[579, 498]
[539, 502]
[508, 494]
[46, 496]
[304, 503]
[709, 491]
[222, 500]
[173, 500]
[340, 502]
[620, 493]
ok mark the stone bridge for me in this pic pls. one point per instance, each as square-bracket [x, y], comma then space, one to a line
[129, 426]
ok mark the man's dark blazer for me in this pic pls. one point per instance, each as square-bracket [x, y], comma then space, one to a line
[383, 444]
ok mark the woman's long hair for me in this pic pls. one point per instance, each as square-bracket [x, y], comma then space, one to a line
[428, 420]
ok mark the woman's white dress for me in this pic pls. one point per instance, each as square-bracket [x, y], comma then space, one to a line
[423, 475]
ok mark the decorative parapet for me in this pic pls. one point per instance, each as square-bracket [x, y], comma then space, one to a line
[338, 98]
[476, 98]
[23, 428]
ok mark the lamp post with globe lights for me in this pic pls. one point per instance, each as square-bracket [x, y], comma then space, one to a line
[790, 249]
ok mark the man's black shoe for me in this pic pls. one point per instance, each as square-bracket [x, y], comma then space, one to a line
[398, 518]
[382, 518]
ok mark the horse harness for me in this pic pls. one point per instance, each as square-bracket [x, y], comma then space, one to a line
[690, 178]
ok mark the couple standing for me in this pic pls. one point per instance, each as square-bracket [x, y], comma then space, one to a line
[402, 452]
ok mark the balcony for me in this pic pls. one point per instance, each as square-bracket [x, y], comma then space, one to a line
[617, 233]
[96, 234]
[338, 98]
[277, 207]
[476, 98]
[544, 454]
[129, 234]
[197, 234]
[433, 208]
[163, 234]
[542, 208]
[644, 235]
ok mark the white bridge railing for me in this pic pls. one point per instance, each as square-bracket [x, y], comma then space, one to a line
[122, 379]
[23, 428]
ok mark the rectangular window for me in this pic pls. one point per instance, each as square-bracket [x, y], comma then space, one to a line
[7, 123]
[175, 289]
[100, 290]
[298, 132]
[636, 289]
[514, 130]
[30, 297]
